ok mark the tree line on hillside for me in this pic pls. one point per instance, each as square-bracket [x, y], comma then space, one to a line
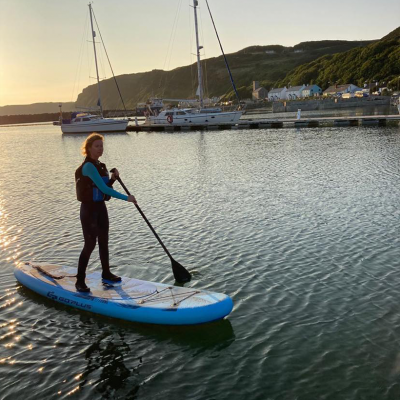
[377, 62]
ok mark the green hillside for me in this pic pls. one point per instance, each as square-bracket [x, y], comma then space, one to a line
[379, 61]
[252, 63]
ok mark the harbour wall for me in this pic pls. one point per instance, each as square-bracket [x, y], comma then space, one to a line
[329, 104]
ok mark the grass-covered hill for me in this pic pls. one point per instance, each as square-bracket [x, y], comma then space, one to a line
[379, 61]
[267, 64]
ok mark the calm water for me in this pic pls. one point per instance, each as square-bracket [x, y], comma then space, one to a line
[300, 227]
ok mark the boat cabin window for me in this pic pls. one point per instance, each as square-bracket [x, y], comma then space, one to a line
[180, 113]
[77, 120]
[86, 119]
[168, 113]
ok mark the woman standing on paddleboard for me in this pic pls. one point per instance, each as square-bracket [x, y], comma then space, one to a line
[93, 188]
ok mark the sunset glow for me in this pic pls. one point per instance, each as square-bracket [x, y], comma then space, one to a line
[40, 54]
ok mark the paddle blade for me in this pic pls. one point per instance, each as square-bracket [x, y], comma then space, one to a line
[181, 274]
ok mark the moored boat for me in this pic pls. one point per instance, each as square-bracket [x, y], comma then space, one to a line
[155, 104]
[193, 116]
[86, 122]
[200, 115]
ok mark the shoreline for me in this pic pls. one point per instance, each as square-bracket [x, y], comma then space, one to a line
[267, 108]
[329, 103]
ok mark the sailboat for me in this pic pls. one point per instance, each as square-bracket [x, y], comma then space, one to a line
[87, 122]
[194, 116]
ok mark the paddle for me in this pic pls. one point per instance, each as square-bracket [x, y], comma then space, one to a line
[180, 273]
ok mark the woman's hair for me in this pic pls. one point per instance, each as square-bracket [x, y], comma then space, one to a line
[89, 141]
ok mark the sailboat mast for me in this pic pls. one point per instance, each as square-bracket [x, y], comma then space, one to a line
[198, 47]
[95, 59]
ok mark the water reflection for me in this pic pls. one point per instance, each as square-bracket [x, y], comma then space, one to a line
[9, 332]
[106, 368]
[82, 136]
[115, 363]
[8, 236]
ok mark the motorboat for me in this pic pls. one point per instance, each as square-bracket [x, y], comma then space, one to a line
[155, 104]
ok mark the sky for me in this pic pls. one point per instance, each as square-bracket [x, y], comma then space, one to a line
[44, 49]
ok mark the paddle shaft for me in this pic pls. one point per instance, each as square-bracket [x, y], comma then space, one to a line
[180, 273]
[144, 217]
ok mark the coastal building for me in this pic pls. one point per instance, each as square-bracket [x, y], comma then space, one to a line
[277, 94]
[259, 93]
[338, 90]
[294, 92]
[311, 91]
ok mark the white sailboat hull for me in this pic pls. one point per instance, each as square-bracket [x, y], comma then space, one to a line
[99, 125]
[194, 117]
[86, 122]
[190, 119]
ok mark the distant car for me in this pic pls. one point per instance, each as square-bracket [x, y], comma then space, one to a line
[360, 93]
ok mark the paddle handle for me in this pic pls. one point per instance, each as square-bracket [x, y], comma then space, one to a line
[144, 217]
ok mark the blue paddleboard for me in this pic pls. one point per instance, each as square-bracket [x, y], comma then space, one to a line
[131, 299]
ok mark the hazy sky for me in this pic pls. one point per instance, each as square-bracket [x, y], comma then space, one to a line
[43, 49]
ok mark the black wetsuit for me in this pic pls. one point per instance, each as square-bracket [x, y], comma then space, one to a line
[93, 188]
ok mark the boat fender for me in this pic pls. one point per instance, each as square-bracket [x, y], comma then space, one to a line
[170, 119]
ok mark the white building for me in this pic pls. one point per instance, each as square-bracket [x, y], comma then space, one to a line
[294, 92]
[311, 91]
[277, 94]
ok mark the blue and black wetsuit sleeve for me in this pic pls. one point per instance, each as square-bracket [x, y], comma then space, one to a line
[111, 182]
[90, 171]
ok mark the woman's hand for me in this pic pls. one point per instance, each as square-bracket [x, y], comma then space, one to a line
[115, 174]
[132, 199]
